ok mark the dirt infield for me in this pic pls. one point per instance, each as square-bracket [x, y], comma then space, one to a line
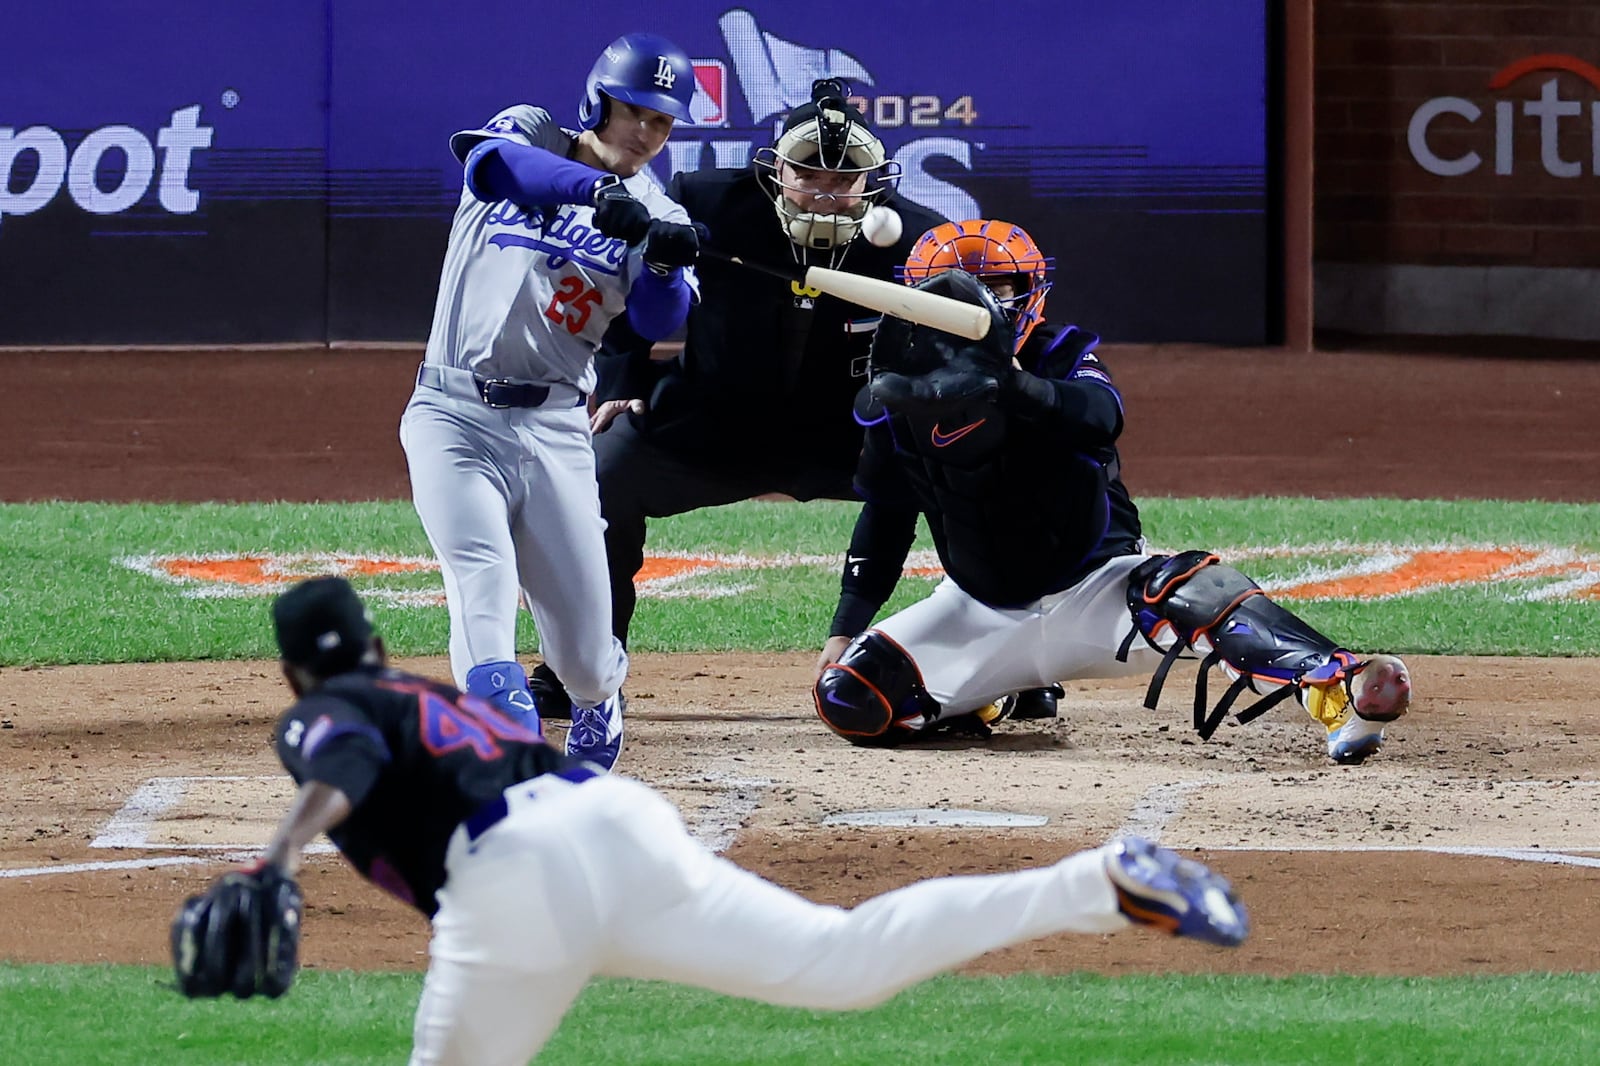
[1468, 846]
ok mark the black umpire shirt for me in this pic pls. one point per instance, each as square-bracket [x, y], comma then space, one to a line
[1021, 500]
[416, 758]
[768, 372]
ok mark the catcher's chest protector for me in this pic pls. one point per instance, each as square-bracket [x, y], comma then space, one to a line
[1200, 604]
[1014, 514]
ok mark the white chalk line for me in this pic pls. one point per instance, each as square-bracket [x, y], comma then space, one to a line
[1153, 811]
[718, 822]
[1159, 805]
[115, 864]
[1528, 854]
[131, 826]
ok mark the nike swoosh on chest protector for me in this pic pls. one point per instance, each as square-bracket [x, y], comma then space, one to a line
[942, 440]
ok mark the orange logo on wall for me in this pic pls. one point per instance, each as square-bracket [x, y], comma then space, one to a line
[1322, 572]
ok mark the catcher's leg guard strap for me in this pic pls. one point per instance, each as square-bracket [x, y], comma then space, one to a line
[1192, 598]
[873, 695]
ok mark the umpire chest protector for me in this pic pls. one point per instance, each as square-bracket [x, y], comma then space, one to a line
[768, 367]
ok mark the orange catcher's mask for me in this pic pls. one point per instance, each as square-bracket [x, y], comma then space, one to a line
[987, 248]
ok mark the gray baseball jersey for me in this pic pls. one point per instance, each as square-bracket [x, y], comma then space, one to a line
[527, 294]
[508, 496]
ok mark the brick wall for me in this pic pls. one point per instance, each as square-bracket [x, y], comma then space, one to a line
[1378, 61]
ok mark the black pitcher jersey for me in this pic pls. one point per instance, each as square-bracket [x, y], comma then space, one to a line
[416, 758]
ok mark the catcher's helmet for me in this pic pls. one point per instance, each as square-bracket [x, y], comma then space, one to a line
[987, 248]
[640, 69]
[826, 134]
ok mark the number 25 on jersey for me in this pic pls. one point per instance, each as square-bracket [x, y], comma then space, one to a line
[572, 303]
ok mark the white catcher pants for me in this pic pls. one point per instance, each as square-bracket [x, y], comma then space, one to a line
[509, 502]
[601, 877]
[971, 654]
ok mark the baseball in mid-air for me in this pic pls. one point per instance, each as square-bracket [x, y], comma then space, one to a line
[881, 225]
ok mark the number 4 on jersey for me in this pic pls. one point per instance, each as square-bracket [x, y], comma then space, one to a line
[572, 303]
[470, 722]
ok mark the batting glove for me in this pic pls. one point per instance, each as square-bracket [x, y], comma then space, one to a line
[618, 214]
[671, 244]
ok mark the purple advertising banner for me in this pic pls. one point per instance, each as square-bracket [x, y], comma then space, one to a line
[270, 172]
[165, 172]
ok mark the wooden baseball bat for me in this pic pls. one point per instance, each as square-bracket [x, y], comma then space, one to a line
[902, 301]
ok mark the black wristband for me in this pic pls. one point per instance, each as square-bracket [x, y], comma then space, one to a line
[854, 615]
[1027, 394]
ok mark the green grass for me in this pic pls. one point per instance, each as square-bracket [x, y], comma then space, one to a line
[65, 598]
[114, 1015]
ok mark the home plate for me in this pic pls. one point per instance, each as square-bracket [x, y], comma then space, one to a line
[935, 817]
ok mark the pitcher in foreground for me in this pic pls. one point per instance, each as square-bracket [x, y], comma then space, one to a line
[530, 863]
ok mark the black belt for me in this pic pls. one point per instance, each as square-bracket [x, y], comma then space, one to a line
[493, 813]
[495, 392]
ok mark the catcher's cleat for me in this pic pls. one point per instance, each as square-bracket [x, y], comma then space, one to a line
[1033, 703]
[1158, 888]
[990, 713]
[596, 733]
[1355, 714]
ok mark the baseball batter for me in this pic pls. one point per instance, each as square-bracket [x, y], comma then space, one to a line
[1008, 447]
[539, 872]
[558, 233]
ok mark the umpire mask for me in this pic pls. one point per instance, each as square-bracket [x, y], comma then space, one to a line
[827, 168]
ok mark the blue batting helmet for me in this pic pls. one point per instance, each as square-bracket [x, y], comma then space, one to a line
[640, 69]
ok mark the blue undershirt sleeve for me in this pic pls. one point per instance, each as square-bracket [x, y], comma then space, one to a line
[658, 303]
[498, 169]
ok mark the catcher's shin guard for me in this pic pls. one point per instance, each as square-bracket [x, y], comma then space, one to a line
[1200, 604]
[873, 695]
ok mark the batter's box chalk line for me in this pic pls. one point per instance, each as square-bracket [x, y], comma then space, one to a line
[926, 817]
[732, 799]
[148, 808]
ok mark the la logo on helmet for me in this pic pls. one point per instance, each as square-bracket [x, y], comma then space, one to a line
[664, 74]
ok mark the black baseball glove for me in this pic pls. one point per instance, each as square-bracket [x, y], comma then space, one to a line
[242, 935]
[618, 214]
[917, 369]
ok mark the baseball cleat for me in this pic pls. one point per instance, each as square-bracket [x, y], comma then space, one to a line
[596, 733]
[519, 703]
[549, 693]
[1351, 743]
[1158, 888]
[505, 685]
[1032, 703]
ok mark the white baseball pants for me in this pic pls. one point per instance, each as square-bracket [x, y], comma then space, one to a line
[971, 654]
[601, 877]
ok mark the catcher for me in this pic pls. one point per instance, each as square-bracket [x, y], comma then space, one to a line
[1008, 446]
[539, 871]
